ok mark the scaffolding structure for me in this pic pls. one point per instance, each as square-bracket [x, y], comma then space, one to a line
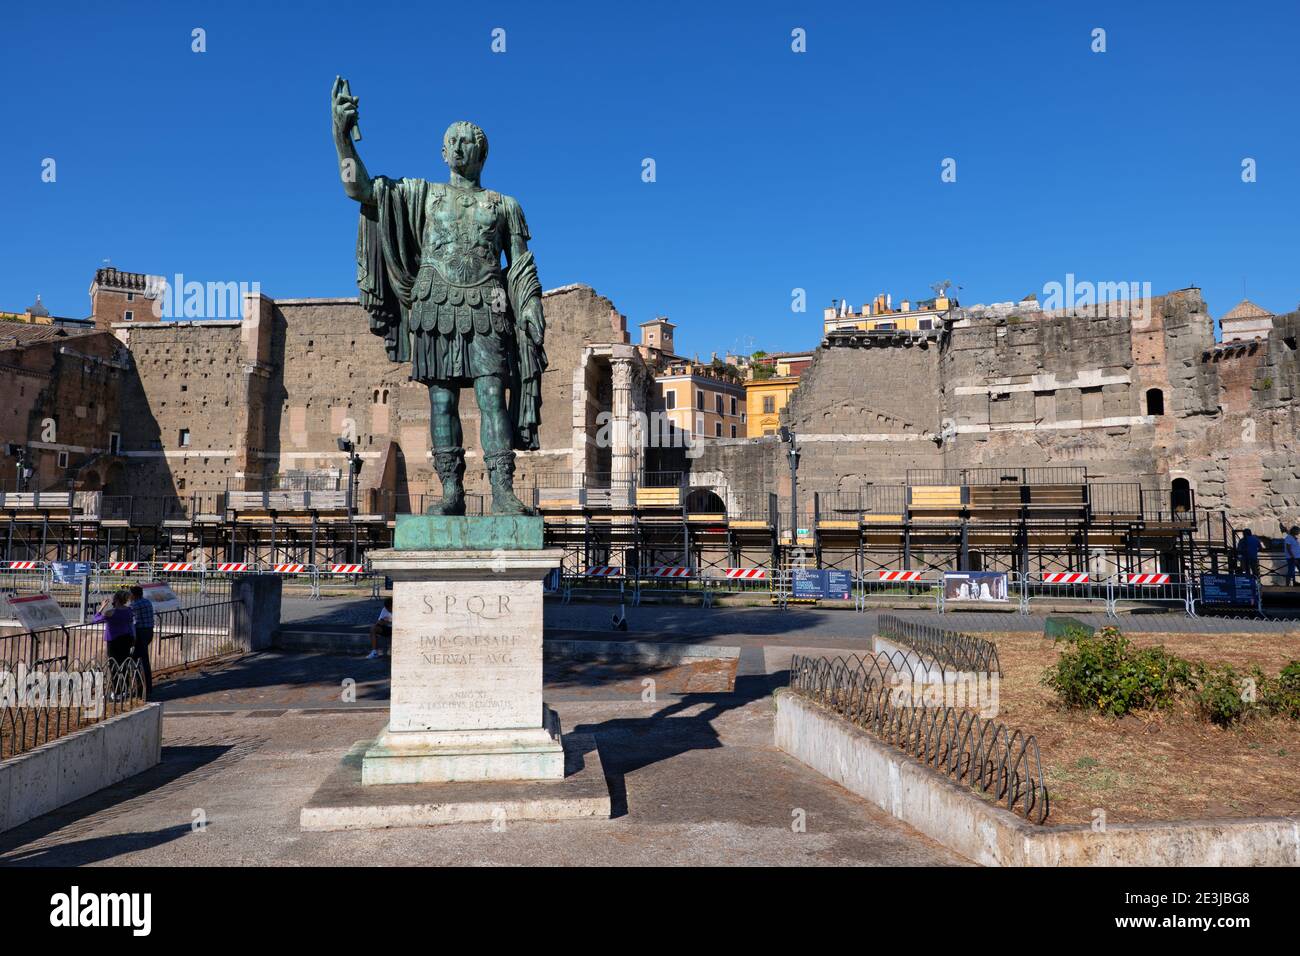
[1027, 521]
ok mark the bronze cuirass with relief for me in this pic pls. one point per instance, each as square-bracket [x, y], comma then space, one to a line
[463, 234]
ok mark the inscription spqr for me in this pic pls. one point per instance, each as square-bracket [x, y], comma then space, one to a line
[466, 655]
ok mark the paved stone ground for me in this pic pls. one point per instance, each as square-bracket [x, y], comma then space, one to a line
[694, 779]
[762, 625]
[694, 776]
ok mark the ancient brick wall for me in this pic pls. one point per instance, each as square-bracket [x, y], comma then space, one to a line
[181, 406]
[60, 398]
[275, 392]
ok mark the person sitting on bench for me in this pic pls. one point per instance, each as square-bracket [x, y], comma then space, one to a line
[382, 629]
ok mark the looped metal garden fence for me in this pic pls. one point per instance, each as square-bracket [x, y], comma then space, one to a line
[981, 753]
[50, 702]
[953, 649]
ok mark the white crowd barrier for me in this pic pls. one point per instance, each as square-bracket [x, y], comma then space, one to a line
[35, 577]
[1091, 592]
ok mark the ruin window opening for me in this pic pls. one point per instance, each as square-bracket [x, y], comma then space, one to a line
[1155, 401]
[1180, 496]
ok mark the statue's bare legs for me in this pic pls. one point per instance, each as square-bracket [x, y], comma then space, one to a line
[494, 434]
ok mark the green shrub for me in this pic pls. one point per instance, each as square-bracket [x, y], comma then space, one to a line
[1105, 672]
[1281, 695]
[1223, 696]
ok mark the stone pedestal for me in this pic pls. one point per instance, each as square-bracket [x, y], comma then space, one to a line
[467, 654]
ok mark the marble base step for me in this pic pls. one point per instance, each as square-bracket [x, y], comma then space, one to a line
[342, 802]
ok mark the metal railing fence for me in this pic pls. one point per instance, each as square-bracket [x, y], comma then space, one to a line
[953, 649]
[75, 696]
[970, 749]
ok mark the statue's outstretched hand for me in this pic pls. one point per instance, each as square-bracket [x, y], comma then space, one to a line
[343, 107]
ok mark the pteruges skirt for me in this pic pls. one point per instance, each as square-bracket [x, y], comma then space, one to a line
[456, 344]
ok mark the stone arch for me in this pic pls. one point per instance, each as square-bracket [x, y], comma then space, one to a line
[705, 501]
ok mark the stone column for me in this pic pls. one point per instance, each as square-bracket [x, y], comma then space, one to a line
[467, 654]
[624, 451]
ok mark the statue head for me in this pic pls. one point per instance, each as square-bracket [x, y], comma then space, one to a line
[465, 148]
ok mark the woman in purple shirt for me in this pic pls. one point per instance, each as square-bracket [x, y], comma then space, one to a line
[119, 634]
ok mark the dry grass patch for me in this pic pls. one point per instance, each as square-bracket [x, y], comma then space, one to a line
[1156, 765]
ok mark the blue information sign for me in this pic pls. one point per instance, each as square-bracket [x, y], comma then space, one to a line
[812, 583]
[70, 572]
[839, 585]
[1238, 590]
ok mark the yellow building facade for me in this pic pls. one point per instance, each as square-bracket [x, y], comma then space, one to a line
[764, 399]
[881, 316]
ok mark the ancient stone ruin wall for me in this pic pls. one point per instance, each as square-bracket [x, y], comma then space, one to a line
[862, 416]
[1245, 457]
[1054, 390]
[334, 377]
[186, 376]
[274, 392]
[1051, 389]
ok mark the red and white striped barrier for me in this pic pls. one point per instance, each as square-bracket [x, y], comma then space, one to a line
[1066, 577]
[177, 566]
[231, 566]
[288, 568]
[124, 566]
[345, 568]
[759, 574]
[1146, 579]
[898, 575]
[604, 571]
[23, 565]
[668, 572]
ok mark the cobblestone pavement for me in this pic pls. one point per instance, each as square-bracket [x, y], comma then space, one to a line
[694, 779]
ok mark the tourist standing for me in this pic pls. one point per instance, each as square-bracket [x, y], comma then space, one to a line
[1291, 545]
[1248, 552]
[119, 634]
[142, 613]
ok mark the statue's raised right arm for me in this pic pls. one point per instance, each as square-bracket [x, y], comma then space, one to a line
[343, 110]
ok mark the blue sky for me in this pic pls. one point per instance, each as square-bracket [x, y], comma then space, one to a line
[775, 170]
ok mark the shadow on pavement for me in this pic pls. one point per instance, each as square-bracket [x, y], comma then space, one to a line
[280, 677]
[179, 766]
[628, 744]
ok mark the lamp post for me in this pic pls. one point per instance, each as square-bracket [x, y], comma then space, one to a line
[350, 448]
[21, 469]
[788, 436]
